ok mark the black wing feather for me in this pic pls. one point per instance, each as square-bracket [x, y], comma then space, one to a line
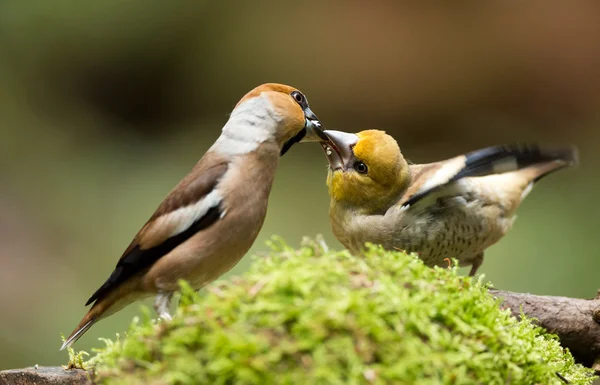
[486, 161]
[139, 259]
[501, 159]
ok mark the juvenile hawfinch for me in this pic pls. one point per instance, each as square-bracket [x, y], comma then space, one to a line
[209, 220]
[454, 208]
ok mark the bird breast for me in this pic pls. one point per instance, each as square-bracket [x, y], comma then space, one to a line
[454, 226]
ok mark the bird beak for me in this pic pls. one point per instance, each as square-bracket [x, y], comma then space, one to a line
[338, 149]
[314, 128]
[312, 132]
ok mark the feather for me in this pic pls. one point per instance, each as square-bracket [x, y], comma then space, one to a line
[139, 259]
[77, 333]
[494, 160]
[193, 205]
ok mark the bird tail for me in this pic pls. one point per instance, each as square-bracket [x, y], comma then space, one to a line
[501, 159]
[87, 321]
[531, 161]
[565, 157]
[103, 307]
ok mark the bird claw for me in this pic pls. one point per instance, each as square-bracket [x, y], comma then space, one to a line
[166, 316]
[161, 305]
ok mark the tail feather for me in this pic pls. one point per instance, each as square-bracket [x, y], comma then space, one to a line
[77, 333]
[88, 320]
[568, 160]
[530, 158]
[104, 307]
[99, 310]
[501, 159]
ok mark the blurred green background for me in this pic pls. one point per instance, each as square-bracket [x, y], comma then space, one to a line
[104, 106]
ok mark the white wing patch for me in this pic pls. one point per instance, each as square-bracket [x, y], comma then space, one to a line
[251, 123]
[183, 218]
[444, 174]
[451, 190]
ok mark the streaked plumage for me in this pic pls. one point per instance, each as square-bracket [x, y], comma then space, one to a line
[455, 208]
[209, 220]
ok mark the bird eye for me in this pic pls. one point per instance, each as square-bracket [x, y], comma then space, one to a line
[298, 97]
[360, 167]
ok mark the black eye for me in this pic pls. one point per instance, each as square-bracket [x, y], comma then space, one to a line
[360, 167]
[298, 97]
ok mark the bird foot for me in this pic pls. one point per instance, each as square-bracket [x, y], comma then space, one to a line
[477, 261]
[161, 305]
[166, 316]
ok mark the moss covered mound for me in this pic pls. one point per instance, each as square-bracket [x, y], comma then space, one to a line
[310, 316]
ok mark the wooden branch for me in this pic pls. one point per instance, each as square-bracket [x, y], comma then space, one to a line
[44, 375]
[576, 321]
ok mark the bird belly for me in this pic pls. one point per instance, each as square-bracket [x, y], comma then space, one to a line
[459, 228]
[452, 227]
[210, 253]
[215, 250]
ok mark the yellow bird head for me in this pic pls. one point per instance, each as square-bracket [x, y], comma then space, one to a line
[366, 170]
[289, 107]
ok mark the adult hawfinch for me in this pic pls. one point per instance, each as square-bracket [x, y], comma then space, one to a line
[209, 220]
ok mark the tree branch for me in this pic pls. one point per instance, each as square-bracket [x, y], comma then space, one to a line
[576, 321]
[44, 375]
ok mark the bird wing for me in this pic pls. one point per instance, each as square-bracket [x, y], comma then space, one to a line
[432, 177]
[193, 205]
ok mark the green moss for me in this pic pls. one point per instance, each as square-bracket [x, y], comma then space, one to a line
[76, 359]
[310, 316]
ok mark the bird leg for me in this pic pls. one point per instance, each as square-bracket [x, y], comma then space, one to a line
[161, 305]
[477, 261]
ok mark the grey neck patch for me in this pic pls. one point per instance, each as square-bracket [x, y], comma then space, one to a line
[250, 124]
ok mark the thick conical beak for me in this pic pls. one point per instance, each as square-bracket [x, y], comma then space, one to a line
[314, 128]
[338, 149]
[312, 131]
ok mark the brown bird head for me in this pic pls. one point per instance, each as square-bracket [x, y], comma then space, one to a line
[289, 107]
[366, 170]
